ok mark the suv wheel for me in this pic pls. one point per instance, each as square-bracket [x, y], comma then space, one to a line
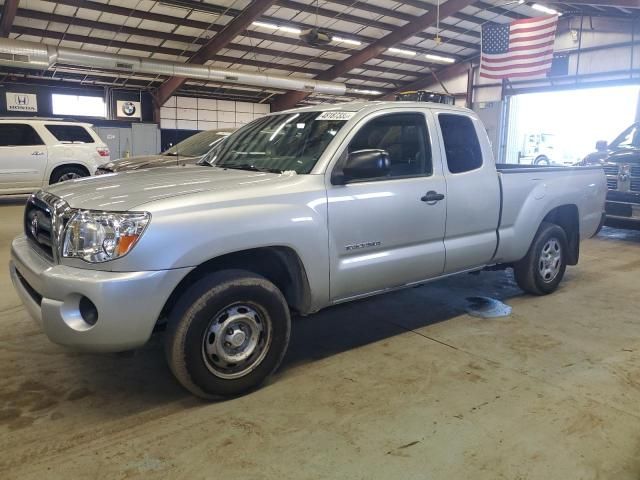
[67, 173]
[227, 334]
[542, 269]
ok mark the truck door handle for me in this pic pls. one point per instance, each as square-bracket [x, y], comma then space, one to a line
[37, 153]
[432, 197]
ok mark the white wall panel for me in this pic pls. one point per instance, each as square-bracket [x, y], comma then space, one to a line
[208, 114]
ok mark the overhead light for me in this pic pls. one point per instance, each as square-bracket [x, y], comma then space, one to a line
[520, 2]
[346, 40]
[439, 58]
[401, 51]
[366, 92]
[280, 28]
[545, 9]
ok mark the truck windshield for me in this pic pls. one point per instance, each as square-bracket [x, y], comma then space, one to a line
[279, 143]
[630, 138]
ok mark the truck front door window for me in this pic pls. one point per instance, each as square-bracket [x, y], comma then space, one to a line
[460, 143]
[404, 137]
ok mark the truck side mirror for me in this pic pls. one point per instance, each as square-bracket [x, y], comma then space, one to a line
[362, 164]
[601, 145]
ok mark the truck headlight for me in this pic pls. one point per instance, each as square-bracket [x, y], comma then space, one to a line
[102, 236]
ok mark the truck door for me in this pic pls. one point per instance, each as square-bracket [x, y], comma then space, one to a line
[473, 192]
[388, 231]
[23, 157]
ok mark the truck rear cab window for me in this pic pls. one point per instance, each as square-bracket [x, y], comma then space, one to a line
[18, 135]
[70, 133]
[460, 143]
[404, 137]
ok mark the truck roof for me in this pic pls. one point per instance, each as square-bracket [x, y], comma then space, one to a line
[374, 105]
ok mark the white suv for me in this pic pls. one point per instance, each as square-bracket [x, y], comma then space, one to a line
[37, 152]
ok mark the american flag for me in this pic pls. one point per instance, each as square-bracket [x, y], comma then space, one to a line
[523, 48]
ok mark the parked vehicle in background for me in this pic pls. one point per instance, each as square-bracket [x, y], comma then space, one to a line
[37, 152]
[538, 149]
[296, 211]
[621, 162]
[187, 152]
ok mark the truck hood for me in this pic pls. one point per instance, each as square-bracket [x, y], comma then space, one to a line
[126, 190]
[621, 155]
[147, 161]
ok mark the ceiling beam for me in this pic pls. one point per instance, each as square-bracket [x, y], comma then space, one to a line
[221, 39]
[9, 10]
[253, 34]
[397, 36]
[370, 22]
[400, 70]
[141, 32]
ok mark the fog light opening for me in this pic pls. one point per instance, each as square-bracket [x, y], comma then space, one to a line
[88, 311]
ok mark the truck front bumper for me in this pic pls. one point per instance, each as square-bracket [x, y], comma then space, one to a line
[623, 206]
[127, 304]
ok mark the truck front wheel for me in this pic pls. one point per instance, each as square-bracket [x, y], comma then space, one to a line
[542, 269]
[227, 334]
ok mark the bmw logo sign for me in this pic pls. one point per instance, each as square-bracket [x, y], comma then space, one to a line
[129, 108]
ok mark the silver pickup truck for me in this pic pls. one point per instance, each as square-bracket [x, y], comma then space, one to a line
[292, 213]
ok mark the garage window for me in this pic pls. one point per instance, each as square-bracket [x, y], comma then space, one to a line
[70, 133]
[78, 105]
[18, 134]
[460, 143]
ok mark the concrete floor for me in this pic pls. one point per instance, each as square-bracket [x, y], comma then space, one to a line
[403, 386]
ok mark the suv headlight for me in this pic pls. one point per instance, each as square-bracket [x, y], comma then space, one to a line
[102, 236]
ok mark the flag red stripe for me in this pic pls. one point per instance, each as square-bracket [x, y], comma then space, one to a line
[532, 37]
[534, 29]
[486, 60]
[529, 47]
[516, 65]
[532, 20]
[511, 75]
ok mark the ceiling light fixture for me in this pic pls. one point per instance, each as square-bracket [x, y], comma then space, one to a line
[280, 28]
[439, 58]
[545, 9]
[401, 51]
[346, 40]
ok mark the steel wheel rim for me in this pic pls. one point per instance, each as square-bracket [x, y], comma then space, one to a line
[236, 340]
[550, 260]
[69, 176]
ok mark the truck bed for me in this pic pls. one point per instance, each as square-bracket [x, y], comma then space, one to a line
[529, 192]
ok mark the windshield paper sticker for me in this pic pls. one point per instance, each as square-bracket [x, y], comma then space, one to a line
[341, 116]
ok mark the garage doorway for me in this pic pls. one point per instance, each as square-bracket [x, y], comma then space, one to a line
[580, 118]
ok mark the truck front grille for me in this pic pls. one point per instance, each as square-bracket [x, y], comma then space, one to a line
[635, 184]
[38, 225]
[635, 171]
[612, 183]
[611, 169]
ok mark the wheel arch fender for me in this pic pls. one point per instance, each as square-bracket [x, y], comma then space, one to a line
[281, 265]
[66, 164]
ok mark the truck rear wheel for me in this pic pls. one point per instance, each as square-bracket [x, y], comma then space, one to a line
[541, 270]
[227, 334]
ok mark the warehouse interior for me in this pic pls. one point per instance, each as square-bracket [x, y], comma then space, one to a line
[112, 113]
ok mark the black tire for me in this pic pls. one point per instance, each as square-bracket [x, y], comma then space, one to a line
[542, 160]
[60, 174]
[209, 304]
[528, 271]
